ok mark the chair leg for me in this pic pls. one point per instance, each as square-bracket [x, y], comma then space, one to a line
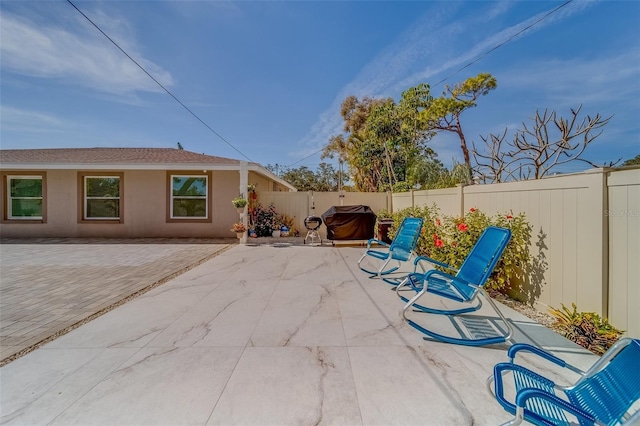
[456, 340]
[517, 419]
[402, 284]
[384, 265]
[380, 271]
[361, 259]
[363, 269]
[473, 308]
[411, 301]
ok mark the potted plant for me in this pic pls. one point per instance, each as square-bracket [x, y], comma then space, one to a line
[239, 203]
[251, 188]
[276, 226]
[239, 229]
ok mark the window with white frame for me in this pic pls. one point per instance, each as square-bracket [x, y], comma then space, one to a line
[102, 197]
[189, 197]
[24, 197]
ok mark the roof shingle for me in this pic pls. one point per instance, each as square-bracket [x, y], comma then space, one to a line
[110, 156]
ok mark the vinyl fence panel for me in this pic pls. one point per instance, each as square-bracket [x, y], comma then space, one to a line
[623, 215]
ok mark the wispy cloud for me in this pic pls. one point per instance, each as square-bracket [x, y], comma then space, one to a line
[77, 54]
[21, 120]
[428, 46]
[597, 76]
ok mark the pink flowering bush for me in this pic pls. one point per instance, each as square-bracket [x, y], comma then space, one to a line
[449, 239]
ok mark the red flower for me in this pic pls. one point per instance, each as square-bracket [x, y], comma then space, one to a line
[435, 237]
[439, 243]
[463, 227]
[438, 223]
[509, 217]
[472, 210]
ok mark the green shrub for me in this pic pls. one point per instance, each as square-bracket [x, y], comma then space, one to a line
[587, 329]
[449, 239]
[402, 187]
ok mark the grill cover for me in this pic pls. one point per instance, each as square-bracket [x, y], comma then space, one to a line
[349, 222]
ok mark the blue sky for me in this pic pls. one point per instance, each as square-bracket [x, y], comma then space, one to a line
[270, 76]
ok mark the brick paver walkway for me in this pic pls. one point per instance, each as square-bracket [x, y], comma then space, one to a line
[49, 285]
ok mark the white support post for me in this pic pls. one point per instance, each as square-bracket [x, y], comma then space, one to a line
[244, 182]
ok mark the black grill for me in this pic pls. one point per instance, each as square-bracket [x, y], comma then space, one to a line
[313, 223]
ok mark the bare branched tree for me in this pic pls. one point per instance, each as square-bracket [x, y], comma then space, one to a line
[493, 162]
[550, 142]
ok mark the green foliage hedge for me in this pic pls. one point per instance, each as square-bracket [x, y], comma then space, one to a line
[449, 239]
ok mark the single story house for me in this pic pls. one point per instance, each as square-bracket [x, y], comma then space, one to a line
[124, 192]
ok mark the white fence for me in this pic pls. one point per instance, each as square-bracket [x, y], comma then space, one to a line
[585, 238]
[302, 204]
[623, 214]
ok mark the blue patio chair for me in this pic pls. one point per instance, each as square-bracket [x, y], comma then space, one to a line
[464, 288]
[401, 249]
[606, 394]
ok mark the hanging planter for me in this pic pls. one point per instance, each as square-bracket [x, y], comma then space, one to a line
[239, 203]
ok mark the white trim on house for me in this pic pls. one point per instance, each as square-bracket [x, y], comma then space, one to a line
[10, 199]
[155, 166]
[265, 172]
[172, 197]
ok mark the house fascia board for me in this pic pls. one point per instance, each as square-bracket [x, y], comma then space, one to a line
[152, 166]
[155, 166]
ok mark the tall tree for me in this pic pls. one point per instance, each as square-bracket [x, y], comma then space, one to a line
[353, 148]
[399, 131]
[381, 138]
[324, 178]
[443, 113]
[632, 161]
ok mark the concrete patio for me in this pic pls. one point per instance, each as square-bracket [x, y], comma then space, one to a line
[263, 335]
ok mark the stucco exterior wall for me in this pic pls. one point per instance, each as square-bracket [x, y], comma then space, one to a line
[144, 208]
[263, 184]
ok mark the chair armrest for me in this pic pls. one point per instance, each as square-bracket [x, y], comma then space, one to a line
[513, 350]
[432, 261]
[437, 274]
[526, 394]
[373, 240]
[416, 280]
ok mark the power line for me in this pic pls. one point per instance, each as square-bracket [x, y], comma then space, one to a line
[477, 59]
[506, 41]
[159, 84]
[308, 156]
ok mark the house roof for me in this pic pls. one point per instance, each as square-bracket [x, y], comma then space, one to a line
[123, 159]
[110, 156]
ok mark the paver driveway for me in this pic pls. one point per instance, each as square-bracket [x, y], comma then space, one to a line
[50, 284]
